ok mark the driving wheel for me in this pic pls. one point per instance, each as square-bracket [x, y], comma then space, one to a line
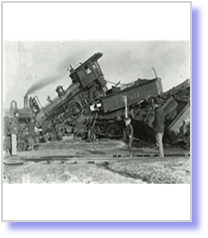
[113, 130]
[96, 92]
[74, 109]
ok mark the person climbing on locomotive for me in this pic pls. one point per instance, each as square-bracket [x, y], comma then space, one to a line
[158, 126]
[49, 99]
[30, 102]
[31, 130]
[37, 133]
[129, 134]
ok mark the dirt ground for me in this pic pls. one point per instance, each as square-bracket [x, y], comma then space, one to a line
[139, 170]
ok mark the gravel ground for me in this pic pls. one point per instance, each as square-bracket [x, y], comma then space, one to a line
[140, 171]
[157, 171]
[63, 173]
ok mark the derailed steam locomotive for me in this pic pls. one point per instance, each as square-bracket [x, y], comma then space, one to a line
[88, 84]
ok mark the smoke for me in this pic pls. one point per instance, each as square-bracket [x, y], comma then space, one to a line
[61, 71]
[70, 60]
[44, 82]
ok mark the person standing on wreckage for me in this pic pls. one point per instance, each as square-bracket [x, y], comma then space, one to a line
[158, 126]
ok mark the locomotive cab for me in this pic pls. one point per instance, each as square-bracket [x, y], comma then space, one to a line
[88, 72]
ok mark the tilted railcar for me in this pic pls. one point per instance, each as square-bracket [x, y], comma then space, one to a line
[112, 105]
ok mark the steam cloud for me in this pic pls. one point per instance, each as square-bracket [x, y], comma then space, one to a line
[61, 68]
[44, 82]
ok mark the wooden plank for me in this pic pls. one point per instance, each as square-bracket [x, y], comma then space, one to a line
[13, 162]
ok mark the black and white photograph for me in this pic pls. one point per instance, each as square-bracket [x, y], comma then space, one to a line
[96, 112]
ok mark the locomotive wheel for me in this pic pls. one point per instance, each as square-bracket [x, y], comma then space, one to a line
[113, 130]
[74, 109]
[96, 92]
[91, 136]
[21, 146]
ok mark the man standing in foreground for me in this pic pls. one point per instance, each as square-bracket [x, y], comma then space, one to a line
[31, 128]
[7, 136]
[14, 128]
[129, 134]
[158, 125]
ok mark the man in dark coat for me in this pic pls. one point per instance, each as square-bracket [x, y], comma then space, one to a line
[31, 130]
[7, 136]
[129, 134]
[158, 125]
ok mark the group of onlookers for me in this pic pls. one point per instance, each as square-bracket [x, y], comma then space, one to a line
[12, 131]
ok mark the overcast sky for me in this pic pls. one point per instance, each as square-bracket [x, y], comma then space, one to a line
[28, 63]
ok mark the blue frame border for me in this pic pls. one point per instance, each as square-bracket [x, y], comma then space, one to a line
[198, 224]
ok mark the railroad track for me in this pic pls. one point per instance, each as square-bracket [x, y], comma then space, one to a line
[20, 160]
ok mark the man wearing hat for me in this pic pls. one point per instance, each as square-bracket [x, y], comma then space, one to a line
[31, 129]
[129, 134]
[158, 126]
[7, 135]
[14, 129]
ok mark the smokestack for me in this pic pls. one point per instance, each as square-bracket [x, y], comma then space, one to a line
[25, 101]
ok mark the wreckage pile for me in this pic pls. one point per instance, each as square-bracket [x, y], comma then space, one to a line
[178, 120]
[176, 105]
